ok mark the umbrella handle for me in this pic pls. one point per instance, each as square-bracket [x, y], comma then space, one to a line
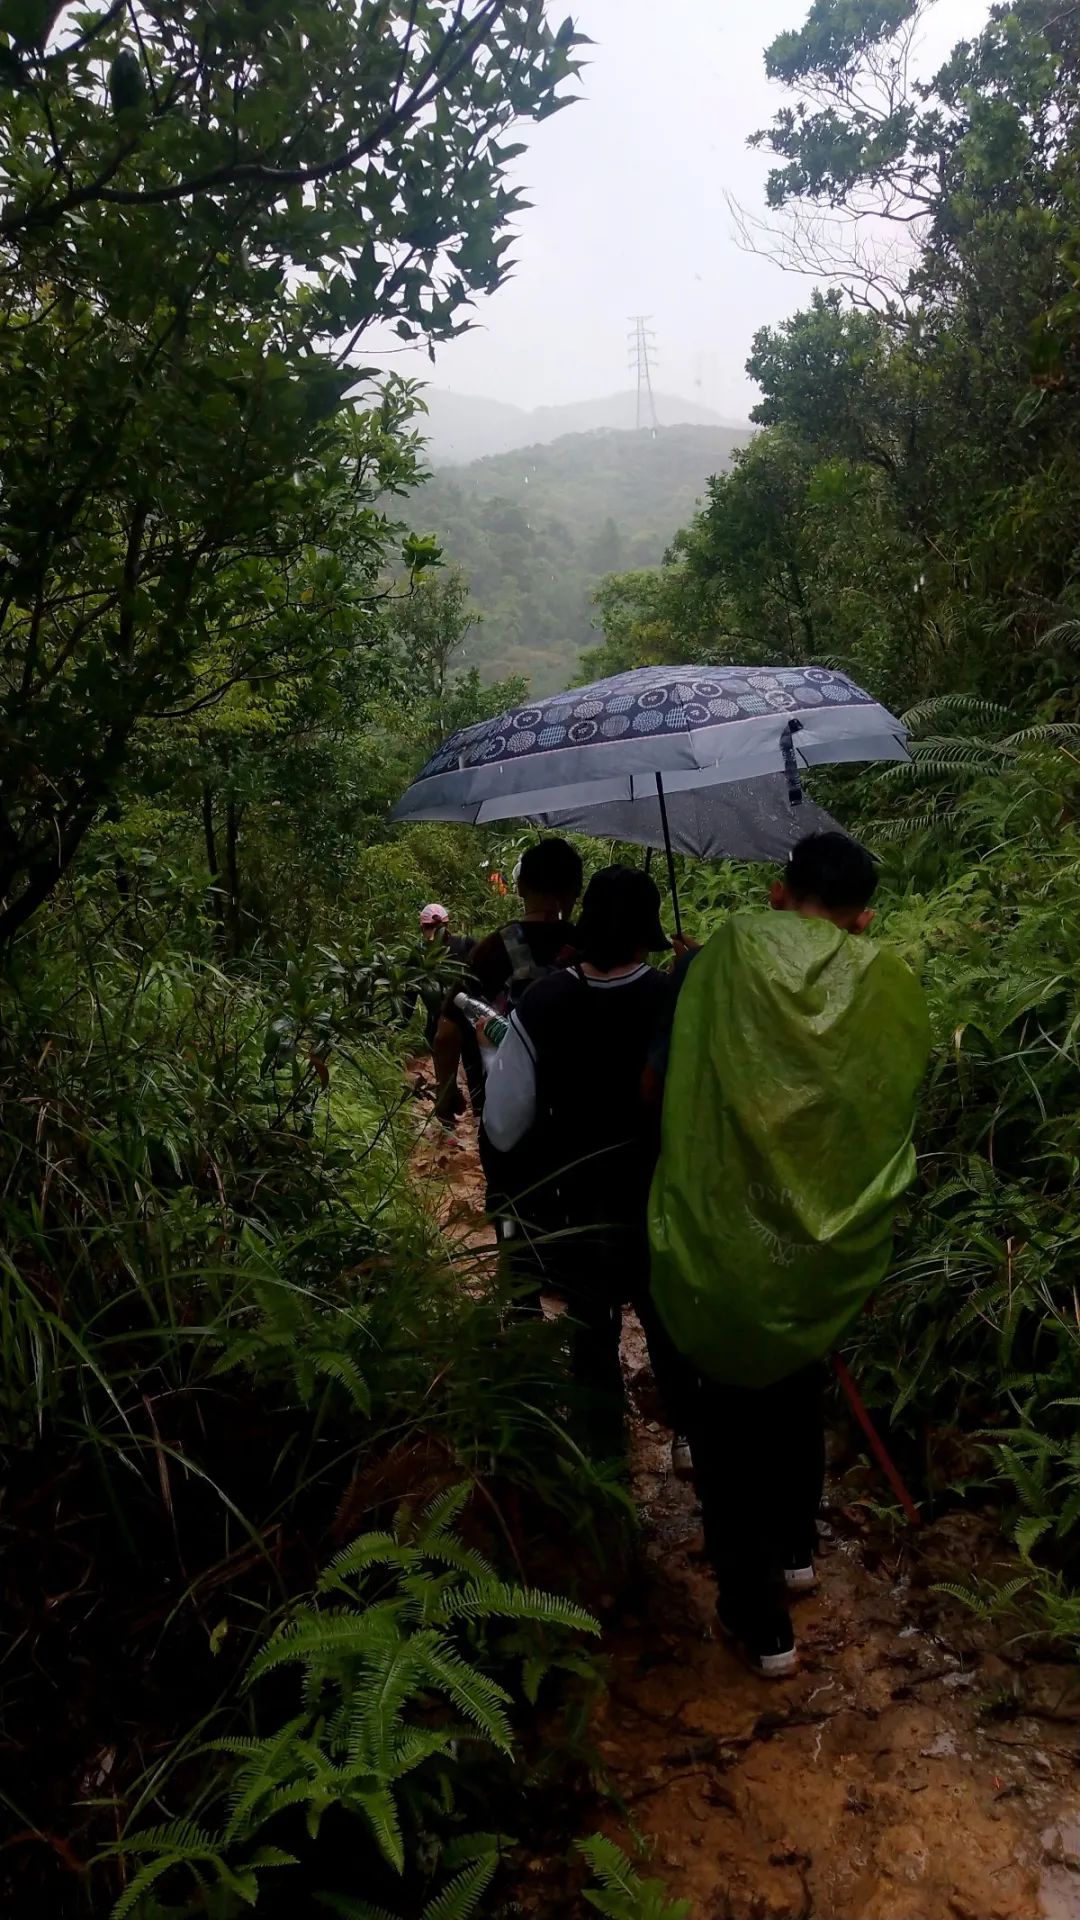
[670, 856]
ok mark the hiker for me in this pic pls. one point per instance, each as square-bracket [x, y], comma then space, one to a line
[507, 961]
[435, 929]
[564, 1102]
[792, 1069]
[431, 989]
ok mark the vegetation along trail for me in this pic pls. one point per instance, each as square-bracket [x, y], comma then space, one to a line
[916, 1766]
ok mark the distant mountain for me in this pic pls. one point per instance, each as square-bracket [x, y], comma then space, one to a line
[461, 427]
[535, 530]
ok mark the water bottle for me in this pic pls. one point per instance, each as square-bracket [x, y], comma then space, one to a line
[475, 1009]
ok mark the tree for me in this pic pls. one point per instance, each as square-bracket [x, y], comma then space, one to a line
[182, 247]
[962, 391]
[431, 623]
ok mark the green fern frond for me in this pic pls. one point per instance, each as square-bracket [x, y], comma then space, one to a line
[905, 826]
[271, 1857]
[609, 1864]
[381, 1810]
[415, 1746]
[957, 751]
[440, 1514]
[479, 1698]
[1066, 634]
[1029, 1531]
[338, 1366]
[446, 1550]
[180, 1837]
[141, 1883]
[499, 1600]
[968, 706]
[347, 1907]
[462, 1896]
[375, 1715]
[625, 1895]
[179, 1844]
[369, 1550]
[323, 1636]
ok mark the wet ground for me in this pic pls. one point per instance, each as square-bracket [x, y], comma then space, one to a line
[918, 1767]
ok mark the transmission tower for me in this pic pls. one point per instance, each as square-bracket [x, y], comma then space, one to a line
[641, 341]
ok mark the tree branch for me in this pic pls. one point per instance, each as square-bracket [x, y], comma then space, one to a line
[235, 173]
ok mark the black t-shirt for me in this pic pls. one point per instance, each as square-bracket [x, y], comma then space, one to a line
[589, 1154]
[455, 950]
[660, 1046]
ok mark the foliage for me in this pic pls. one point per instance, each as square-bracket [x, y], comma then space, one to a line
[190, 501]
[230, 1330]
[389, 1698]
[622, 1893]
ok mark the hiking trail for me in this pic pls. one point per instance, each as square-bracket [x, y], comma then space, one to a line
[917, 1767]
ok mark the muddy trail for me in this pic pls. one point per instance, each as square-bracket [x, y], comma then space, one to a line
[917, 1767]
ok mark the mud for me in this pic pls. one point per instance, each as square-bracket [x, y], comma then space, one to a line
[918, 1767]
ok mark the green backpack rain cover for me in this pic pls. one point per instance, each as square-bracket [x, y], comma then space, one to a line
[796, 1058]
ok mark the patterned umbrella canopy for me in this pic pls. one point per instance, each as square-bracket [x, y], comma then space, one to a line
[694, 727]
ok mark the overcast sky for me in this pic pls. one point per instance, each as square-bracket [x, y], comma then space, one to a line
[629, 214]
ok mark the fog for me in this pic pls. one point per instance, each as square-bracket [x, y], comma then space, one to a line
[630, 213]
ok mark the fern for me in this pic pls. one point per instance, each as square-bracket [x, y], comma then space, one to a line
[380, 1808]
[439, 1515]
[496, 1599]
[480, 1699]
[390, 1689]
[457, 1900]
[182, 1844]
[623, 1894]
[462, 1896]
[1029, 1531]
[985, 1600]
[954, 706]
[320, 1635]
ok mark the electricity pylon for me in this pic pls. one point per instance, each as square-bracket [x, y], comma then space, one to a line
[642, 344]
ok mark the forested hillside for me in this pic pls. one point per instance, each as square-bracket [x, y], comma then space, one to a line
[462, 427]
[533, 533]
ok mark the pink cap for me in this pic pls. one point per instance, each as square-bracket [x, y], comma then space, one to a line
[434, 916]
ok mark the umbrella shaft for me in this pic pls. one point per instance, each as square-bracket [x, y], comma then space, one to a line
[670, 856]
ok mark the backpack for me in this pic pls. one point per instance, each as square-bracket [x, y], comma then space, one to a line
[525, 968]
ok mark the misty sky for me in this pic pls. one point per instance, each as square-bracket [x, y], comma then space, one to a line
[629, 214]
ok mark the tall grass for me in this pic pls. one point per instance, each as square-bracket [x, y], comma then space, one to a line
[233, 1335]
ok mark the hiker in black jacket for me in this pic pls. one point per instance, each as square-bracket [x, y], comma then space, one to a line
[563, 1104]
[503, 964]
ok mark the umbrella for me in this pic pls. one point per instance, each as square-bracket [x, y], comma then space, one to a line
[648, 739]
[732, 820]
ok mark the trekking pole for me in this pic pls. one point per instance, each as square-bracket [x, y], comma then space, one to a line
[876, 1443]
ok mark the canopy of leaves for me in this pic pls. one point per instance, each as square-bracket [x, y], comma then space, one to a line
[192, 252]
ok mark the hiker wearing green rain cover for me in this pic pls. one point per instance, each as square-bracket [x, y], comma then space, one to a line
[795, 1059]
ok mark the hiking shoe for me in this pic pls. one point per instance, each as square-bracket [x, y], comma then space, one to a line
[682, 1461]
[800, 1573]
[764, 1636]
[800, 1580]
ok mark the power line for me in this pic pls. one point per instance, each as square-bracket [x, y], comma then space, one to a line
[641, 341]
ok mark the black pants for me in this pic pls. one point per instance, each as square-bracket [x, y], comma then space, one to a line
[596, 1272]
[759, 1467]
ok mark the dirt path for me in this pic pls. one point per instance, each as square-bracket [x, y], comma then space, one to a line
[911, 1771]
